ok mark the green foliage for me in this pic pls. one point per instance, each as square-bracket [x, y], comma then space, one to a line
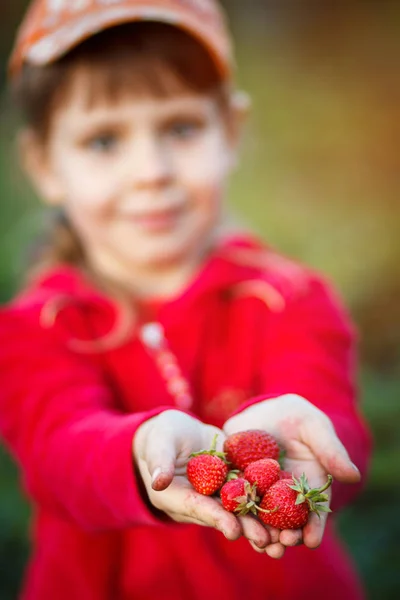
[13, 529]
[371, 526]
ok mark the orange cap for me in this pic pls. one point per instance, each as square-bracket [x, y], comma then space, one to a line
[51, 28]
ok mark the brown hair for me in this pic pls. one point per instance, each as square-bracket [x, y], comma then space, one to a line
[143, 58]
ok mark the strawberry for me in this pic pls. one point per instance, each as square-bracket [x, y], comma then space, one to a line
[238, 496]
[246, 447]
[289, 501]
[207, 473]
[207, 470]
[285, 475]
[263, 473]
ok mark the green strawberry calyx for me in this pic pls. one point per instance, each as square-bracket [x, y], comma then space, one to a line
[212, 451]
[248, 502]
[313, 496]
[233, 474]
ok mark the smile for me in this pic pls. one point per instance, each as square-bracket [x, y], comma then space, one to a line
[155, 221]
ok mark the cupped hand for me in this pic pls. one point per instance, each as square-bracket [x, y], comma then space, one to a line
[311, 447]
[161, 449]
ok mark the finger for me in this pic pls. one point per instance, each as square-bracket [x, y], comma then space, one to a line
[189, 520]
[254, 532]
[291, 537]
[256, 548]
[157, 481]
[161, 477]
[275, 550]
[181, 500]
[229, 527]
[193, 521]
[160, 458]
[212, 514]
[329, 450]
[273, 533]
[314, 530]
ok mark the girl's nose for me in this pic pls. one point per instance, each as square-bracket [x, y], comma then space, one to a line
[152, 167]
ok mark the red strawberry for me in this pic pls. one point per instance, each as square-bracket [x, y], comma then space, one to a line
[285, 475]
[289, 502]
[246, 447]
[207, 473]
[263, 473]
[238, 496]
[207, 470]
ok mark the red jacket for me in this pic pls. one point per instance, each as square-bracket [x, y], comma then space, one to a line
[252, 323]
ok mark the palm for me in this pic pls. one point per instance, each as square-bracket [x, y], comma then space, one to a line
[300, 459]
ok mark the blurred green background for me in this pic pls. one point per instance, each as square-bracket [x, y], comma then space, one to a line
[320, 180]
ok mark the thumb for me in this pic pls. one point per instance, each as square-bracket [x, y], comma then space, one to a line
[322, 439]
[155, 454]
[160, 459]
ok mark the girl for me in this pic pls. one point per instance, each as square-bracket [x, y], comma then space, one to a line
[145, 328]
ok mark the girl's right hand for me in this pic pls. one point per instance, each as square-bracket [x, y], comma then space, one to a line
[161, 448]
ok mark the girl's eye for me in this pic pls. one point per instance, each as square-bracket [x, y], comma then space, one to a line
[184, 130]
[104, 143]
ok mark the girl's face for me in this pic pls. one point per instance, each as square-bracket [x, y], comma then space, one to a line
[141, 180]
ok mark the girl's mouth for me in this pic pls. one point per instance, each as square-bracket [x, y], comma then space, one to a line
[157, 221]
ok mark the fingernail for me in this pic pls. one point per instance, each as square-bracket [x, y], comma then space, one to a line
[355, 467]
[156, 474]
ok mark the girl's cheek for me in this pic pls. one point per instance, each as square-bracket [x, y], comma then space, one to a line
[204, 167]
[89, 198]
[88, 188]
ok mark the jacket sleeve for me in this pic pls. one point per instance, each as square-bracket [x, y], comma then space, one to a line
[310, 351]
[59, 419]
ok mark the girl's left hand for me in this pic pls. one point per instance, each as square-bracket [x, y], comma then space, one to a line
[312, 447]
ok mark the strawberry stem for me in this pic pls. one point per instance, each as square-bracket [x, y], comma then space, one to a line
[327, 484]
[264, 510]
[214, 443]
[212, 451]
